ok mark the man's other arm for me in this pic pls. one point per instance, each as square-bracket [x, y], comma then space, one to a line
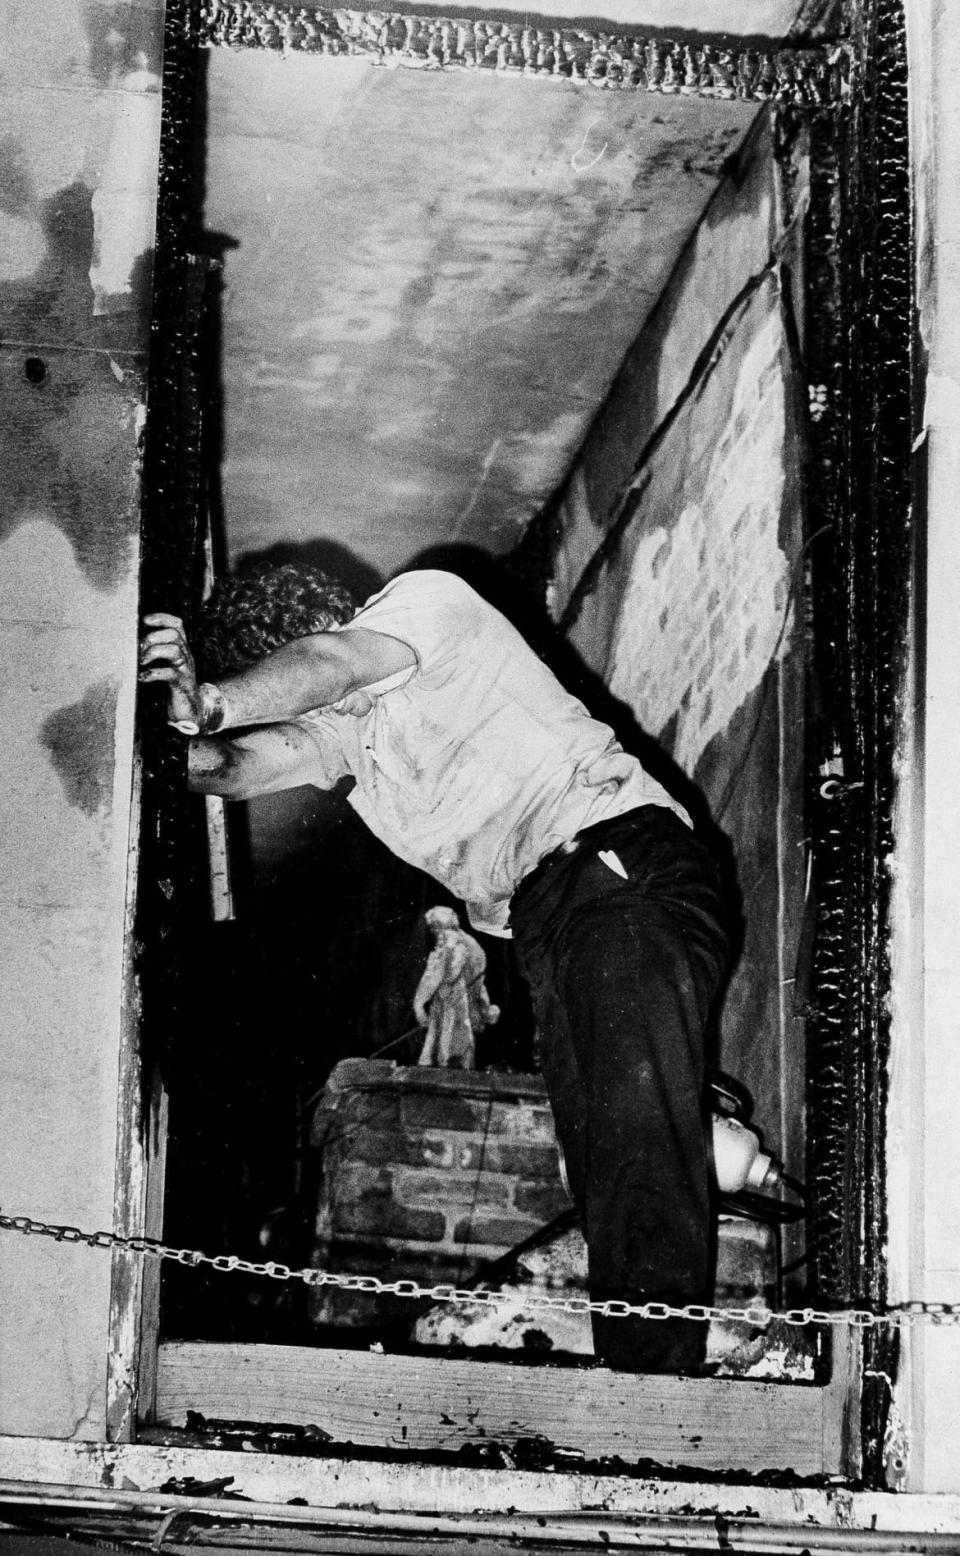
[259, 761]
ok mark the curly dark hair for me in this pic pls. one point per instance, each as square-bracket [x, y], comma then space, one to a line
[252, 612]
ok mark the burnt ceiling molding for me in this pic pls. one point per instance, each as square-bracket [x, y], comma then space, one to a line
[759, 70]
[816, 19]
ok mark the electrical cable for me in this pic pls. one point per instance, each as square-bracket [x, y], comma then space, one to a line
[504, 1262]
[761, 1207]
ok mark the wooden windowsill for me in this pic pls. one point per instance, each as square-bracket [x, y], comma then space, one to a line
[427, 1404]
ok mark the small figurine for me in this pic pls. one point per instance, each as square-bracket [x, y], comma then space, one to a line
[451, 999]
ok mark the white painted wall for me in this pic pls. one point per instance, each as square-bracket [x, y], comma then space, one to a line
[82, 113]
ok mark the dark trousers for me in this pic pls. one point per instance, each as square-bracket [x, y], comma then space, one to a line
[623, 975]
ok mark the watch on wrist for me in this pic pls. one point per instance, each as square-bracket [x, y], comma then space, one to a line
[213, 711]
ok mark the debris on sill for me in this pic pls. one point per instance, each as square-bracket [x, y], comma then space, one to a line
[449, 1175]
[734, 1350]
[190, 1486]
[534, 1454]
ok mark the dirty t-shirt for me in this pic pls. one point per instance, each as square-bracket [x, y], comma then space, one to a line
[476, 762]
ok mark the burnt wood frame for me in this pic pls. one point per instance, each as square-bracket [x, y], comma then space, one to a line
[851, 92]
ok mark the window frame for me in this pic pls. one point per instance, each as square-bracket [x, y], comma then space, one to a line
[859, 492]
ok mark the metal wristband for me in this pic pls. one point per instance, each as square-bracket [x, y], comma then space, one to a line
[213, 712]
[213, 708]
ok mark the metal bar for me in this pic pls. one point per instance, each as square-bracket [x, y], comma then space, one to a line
[210, 1516]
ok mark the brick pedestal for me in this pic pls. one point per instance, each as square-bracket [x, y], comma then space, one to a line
[427, 1174]
[430, 1174]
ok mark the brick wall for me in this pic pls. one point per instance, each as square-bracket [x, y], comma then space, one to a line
[427, 1174]
[704, 606]
[691, 618]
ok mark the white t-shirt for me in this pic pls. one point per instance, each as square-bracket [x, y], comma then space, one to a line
[476, 762]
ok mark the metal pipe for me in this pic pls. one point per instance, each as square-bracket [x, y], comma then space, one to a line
[548, 1529]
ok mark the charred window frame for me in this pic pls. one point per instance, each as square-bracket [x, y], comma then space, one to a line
[861, 333]
[851, 94]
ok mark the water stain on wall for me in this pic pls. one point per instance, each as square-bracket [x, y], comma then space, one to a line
[81, 741]
[16, 188]
[69, 411]
[70, 452]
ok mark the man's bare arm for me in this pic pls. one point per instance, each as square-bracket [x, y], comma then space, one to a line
[312, 672]
[260, 761]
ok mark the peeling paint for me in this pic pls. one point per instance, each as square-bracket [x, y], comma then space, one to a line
[123, 203]
[81, 742]
[123, 39]
[942, 408]
[85, 250]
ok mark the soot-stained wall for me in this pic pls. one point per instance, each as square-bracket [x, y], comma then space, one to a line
[78, 170]
[675, 568]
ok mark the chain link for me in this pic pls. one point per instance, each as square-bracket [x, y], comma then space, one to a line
[903, 1315]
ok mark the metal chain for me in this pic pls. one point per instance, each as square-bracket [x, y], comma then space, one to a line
[902, 1315]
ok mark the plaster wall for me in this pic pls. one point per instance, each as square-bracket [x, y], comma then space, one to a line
[77, 202]
[924, 1152]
